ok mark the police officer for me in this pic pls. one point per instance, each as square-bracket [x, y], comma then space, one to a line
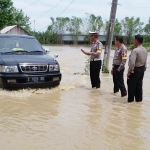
[95, 59]
[118, 66]
[137, 66]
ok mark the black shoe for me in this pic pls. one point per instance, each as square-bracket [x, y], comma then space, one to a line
[138, 100]
[98, 86]
[93, 86]
[124, 95]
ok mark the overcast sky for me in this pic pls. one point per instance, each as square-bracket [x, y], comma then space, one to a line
[42, 10]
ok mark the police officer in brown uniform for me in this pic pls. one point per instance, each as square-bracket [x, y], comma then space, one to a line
[118, 66]
[137, 67]
[95, 59]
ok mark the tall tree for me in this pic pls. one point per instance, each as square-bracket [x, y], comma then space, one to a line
[147, 28]
[94, 23]
[59, 25]
[131, 26]
[21, 19]
[117, 28]
[6, 13]
[75, 27]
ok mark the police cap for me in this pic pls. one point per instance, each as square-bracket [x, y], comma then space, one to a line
[93, 33]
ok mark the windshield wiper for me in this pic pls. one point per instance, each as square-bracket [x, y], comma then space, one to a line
[35, 51]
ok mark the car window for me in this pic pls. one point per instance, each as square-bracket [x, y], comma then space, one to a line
[18, 43]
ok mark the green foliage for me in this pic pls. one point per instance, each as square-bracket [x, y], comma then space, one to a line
[59, 25]
[21, 19]
[93, 23]
[117, 28]
[12, 16]
[146, 44]
[105, 69]
[147, 28]
[131, 26]
[74, 27]
[132, 47]
[146, 38]
[46, 37]
[6, 13]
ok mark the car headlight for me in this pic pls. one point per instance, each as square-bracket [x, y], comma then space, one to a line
[9, 69]
[54, 67]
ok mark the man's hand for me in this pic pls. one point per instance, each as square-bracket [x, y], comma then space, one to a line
[86, 53]
[128, 74]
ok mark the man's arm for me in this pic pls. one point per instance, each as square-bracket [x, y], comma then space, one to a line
[145, 65]
[124, 59]
[132, 60]
[98, 50]
[86, 53]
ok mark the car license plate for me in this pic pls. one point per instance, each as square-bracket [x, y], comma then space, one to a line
[35, 79]
[55, 78]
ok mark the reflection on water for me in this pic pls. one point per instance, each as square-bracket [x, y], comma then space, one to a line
[73, 116]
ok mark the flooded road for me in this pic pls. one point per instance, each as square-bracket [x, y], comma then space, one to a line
[73, 116]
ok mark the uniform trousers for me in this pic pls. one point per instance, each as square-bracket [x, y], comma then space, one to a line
[135, 83]
[95, 67]
[118, 80]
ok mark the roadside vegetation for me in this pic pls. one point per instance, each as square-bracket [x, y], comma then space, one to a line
[128, 26]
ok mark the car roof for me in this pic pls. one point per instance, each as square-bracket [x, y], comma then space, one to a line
[16, 35]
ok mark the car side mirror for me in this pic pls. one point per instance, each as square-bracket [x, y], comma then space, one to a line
[47, 50]
[55, 56]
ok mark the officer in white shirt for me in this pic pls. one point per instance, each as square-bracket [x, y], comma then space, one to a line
[137, 66]
[118, 66]
[95, 59]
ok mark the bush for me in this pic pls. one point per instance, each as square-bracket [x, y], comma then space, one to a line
[132, 47]
[146, 44]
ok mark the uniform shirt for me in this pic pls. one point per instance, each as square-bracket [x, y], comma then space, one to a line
[120, 57]
[137, 58]
[96, 50]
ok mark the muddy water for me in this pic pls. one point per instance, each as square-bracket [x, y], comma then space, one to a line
[73, 116]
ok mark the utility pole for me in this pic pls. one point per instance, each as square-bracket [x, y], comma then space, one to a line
[34, 26]
[108, 44]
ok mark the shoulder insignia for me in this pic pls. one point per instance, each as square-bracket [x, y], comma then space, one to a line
[99, 49]
[124, 56]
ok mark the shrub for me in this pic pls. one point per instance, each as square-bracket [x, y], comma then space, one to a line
[132, 47]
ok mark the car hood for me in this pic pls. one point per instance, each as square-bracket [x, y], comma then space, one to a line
[17, 59]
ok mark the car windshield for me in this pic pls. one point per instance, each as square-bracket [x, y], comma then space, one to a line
[13, 45]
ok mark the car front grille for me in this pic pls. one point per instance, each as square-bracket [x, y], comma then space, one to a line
[33, 67]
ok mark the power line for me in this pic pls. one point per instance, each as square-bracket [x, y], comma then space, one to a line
[30, 5]
[61, 12]
[66, 8]
[47, 11]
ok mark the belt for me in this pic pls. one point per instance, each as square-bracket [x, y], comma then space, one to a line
[95, 59]
[116, 65]
[140, 67]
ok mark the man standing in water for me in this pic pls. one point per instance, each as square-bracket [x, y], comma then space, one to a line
[137, 67]
[95, 59]
[118, 66]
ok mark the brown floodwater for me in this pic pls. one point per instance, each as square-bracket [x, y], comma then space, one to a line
[73, 116]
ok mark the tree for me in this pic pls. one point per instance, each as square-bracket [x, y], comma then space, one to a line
[59, 25]
[21, 19]
[6, 13]
[147, 28]
[75, 27]
[117, 28]
[94, 23]
[131, 26]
